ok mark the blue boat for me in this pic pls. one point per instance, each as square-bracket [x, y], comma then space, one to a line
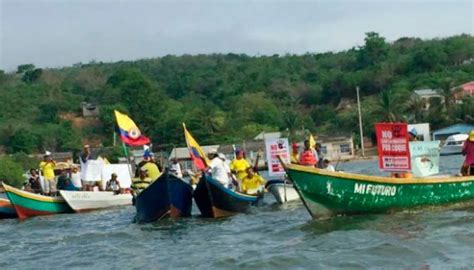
[6, 209]
[167, 196]
[215, 201]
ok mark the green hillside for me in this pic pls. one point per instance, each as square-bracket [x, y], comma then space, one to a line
[224, 98]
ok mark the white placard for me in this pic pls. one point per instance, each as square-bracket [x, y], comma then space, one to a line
[93, 170]
[275, 148]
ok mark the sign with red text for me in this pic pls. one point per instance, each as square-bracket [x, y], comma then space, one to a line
[393, 149]
[275, 148]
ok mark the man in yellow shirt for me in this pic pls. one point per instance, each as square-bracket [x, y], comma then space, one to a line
[47, 167]
[252, 183]
[239, 165]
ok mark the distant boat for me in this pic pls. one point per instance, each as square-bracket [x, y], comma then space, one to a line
[29, 204]
[81, 201]
[453, 144]
[326, 194]
[215, 201]
[283, 192]
[167, 196]
[6, 209]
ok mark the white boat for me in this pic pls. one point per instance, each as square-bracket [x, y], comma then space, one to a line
[283, 192]
[453, 144]
[91, 200]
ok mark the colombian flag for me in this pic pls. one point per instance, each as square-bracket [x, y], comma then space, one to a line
[197, 154]
[129, 132]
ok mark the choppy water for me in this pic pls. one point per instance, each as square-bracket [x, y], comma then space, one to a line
[271, 237]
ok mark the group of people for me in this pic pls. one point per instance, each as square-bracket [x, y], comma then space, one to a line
[66, 179]
[238, 175]
[310, 156]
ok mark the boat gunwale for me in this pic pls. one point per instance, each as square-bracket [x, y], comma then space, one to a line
[379, 179]
[32, 196]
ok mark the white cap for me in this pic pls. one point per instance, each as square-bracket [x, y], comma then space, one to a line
[47, 153]
[221, 156]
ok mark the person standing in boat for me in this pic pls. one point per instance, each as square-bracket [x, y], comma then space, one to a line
[468, 151]
[239, 165]
[34, 181]
[141, 182]
[47, 167]
[308, 157]
[175, 168]
[76, 177]
[84, 158]
[295, 155]
[319, 155]
[217, 169]
[113, 184]
[252, 183]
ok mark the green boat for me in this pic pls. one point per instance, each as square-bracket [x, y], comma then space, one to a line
[28, 204]
[326, 194]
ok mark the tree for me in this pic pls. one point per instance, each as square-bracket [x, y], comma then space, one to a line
[21, 69]
[374, 50]
[23, 141]
[11, 172]
[389, 107]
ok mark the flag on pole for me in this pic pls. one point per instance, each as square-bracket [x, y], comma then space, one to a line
[312, 141]
[195, 151]
[129, 132]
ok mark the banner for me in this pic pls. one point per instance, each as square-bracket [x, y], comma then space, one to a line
[275, 148]
[424, 158]
[392, 146]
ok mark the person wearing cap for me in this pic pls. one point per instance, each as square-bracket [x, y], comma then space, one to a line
[141, 182]
[217, 168]
[252, 183]
[412, 135]
[113, 184]
[295, 155]
[468, 151]
[47, 167]
[319, 156]
[150, 166]
[239, 165]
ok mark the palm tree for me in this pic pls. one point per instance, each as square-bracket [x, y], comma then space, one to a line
[448, 91]
[417, 107]
[388, 107]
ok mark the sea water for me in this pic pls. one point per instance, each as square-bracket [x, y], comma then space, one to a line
[269, 237]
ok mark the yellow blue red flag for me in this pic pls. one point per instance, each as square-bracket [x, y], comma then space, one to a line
[195, 151]
[129, 132]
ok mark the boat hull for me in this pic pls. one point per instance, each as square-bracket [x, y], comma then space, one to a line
[6, 209]
[278, 189]
[168, 196]
[326, 194]
[28, 204]
[215, 201]
[81, 201]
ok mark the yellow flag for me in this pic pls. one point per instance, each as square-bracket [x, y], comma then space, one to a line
[195, 151]
[312, 141]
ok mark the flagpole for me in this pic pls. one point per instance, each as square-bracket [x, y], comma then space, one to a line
[125, 151]
[360, 123]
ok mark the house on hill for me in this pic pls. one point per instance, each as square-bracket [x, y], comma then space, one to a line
[463, 90]
[427, 95]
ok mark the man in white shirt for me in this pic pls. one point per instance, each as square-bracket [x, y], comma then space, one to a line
[327, 166]
[217, 169]
[175, 168]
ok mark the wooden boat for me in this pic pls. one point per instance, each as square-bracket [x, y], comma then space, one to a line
[6, 209]
[167, 196]
[81, 201]
[29, 204]
[214, 200]
[326, 193]
[283, 192]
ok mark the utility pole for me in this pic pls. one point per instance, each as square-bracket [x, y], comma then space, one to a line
[360, 123]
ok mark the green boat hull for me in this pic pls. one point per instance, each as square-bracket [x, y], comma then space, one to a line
[326, 194]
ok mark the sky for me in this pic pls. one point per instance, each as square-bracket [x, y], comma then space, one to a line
[58, 33]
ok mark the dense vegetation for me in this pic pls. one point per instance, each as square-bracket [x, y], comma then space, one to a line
[225, 98]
